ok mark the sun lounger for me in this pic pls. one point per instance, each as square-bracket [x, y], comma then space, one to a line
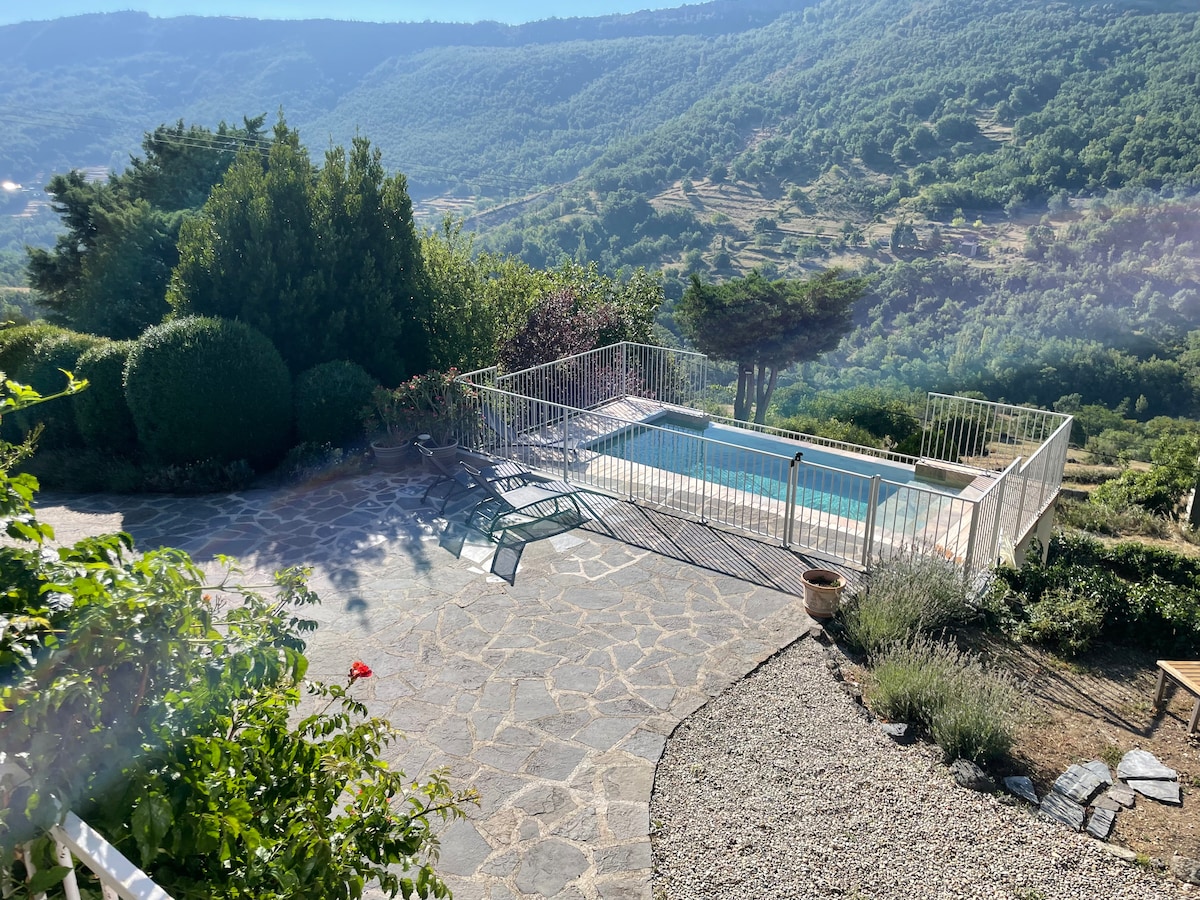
[510, 437]
[538, 509]
[454, 481]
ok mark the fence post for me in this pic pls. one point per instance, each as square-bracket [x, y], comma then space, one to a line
[624, 369]
[789, 520]
[969, 559]
[925, 435]
[1001, 490]
[70, 883]
[872, 503]
[30, 867]
[1019, 531]
[566, 444]
[703, 482]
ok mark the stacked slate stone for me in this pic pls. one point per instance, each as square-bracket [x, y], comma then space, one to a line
[1091, 785]
[1150, 778]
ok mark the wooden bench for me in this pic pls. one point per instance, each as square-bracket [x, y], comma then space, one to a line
[1184, 674]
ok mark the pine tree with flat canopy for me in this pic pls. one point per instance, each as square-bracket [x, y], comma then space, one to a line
[766, 326]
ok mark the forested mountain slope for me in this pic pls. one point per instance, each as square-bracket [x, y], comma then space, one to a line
[1019, 175]
[901, 110]
[942, 104]
[80, 91]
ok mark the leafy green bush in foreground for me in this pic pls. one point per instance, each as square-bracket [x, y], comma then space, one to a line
[165, 711]
[43, 371]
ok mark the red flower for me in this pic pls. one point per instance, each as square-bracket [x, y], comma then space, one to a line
[359, 669]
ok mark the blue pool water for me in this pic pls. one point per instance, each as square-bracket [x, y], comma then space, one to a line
[724, 458]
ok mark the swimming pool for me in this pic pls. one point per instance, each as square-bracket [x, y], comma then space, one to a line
[829, 481]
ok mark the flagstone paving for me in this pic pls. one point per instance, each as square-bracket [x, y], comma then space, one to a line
[553, 696]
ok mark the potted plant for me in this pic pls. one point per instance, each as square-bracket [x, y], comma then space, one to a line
[436, 406]
[822, 592]
[387, 423]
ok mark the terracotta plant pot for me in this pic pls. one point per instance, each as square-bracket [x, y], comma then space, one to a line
[390, 457]
[822, 592]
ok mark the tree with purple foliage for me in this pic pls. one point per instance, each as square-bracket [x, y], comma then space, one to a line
[561, 326]
[557, 327]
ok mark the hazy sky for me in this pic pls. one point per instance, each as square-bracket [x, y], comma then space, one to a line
[510, 11]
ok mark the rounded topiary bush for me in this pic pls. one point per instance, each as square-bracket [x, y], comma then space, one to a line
[15, 346]
[202, 388]
[101, 413]
[329, 402]
[17, 343]
[43, 370]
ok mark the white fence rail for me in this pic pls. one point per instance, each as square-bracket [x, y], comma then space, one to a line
[985, 434]
[991, 523]
[589, 380]
[817, 440]
[118, 877]
[551, 417]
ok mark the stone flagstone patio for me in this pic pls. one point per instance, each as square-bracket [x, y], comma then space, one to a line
[552, 696]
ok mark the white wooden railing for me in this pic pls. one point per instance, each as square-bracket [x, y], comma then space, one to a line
[75, 840]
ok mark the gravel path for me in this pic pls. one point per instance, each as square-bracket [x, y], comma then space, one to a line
[781, 788]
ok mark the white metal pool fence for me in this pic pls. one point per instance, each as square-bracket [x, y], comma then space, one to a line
[589, 380]
[570, 418]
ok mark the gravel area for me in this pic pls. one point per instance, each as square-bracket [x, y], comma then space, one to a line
[781, 787]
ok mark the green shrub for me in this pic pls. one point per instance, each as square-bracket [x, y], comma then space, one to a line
[1090, 475]
[1159, 615]
[1069, 617]
[968, 710]
[1156, 491]
[977, 720]
[905, 595]
[86, 470]
[43, 371]
[1147, 596]
[203, 477]
[1159, 490]
[101, 413]
[209, 389]
[17, 343]
[329, 400]
[309, 462]
[15, 346]
[834, 429]
[910, 681]
[1095, 517]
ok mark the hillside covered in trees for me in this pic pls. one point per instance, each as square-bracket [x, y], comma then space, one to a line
[970, 106]
[1017, 178]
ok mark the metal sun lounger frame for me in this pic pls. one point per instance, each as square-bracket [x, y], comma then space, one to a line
[459, 481]
[525, 505]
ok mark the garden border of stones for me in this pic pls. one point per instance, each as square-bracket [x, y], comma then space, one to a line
[1083, 787]
[1091, 786]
